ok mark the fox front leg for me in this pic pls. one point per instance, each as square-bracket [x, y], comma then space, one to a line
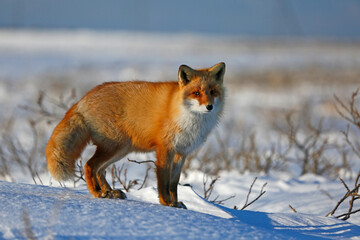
[174, 180]
[163, 168]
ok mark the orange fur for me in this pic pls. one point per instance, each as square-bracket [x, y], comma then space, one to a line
[122, 117]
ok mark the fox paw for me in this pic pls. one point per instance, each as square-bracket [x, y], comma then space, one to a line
[178, 205]
[117, 193]
[113, 194]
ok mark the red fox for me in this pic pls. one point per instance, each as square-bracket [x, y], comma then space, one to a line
[170, 118]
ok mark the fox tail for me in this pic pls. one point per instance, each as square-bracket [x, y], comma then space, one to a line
[66, 144]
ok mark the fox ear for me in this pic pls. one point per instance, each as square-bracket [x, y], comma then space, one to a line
[218, 71]
[185, 74]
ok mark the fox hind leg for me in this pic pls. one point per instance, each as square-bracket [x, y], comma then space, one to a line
[104, 185]
[95, 177]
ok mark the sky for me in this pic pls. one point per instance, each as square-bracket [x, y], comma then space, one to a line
[255, 18]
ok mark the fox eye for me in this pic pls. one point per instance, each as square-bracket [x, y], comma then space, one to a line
[212, 92]
[197, 93]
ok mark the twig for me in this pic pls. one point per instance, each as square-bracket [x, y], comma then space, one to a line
[79, 173]
[208, 190]
[347, 188]
[348, 141]
[140, 162]
[349, 113]
[326, 194]
[262, 192]
[127, 185]
[145, 178]
[249, 192]
[37, 175]
[293, 209]
[346, 215]
[221, 202]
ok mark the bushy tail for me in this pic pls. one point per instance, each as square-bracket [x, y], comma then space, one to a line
[66, 145]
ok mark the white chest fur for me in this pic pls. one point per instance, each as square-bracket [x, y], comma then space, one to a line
[195, 127]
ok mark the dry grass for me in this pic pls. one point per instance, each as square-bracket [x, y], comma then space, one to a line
[293, 78]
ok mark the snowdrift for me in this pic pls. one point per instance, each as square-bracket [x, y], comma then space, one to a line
[33, 211]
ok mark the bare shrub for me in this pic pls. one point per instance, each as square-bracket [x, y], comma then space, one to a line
[245, 156]
[209, 159]
[119, 174]
[14, 151]
[208, 190]
[309, 145]
[208, 187]
[351, 114]
[353, 194]
[251, 158]
[49, 109]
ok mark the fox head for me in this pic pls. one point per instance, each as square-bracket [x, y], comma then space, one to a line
[202, 89]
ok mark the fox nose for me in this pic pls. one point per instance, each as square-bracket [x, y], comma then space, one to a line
[209, 107]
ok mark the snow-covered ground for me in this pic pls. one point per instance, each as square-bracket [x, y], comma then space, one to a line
[44, 212]
[56, 61]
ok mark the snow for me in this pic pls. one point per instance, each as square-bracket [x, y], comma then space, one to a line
[60, 213]
[46, 60]
[27, 52]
